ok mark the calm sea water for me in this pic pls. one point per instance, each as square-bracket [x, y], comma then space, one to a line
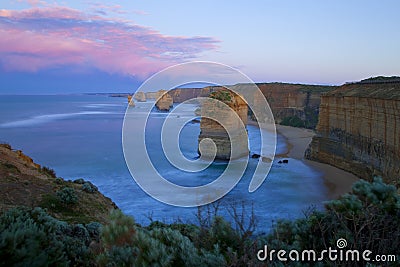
[79, 136]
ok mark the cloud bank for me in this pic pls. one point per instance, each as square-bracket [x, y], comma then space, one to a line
[41, 38]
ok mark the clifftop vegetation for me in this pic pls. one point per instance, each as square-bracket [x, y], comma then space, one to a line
[368, 219]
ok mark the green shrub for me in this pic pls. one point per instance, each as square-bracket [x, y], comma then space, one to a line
[60, 181]
[79, 181]
[31, 237]
[368, 218]
[293, 121]
[89, 188]
[123, 243]
[222, 95]
[27, 238]
[67, 196]
[94, 229]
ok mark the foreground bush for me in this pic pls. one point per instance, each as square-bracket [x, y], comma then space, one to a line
[368, 218]
[67, 196]
[31, 237]
[123, 243]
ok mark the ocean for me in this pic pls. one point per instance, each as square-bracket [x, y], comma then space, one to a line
[80, 136]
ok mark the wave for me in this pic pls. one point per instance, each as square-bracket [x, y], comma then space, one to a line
[102, 105]
[37, 120]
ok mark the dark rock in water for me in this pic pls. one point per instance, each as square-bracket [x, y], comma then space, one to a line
[285, 161]
[280, 162]
[255, 156]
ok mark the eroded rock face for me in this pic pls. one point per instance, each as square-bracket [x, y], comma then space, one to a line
[213, 130]
[180, 95]
[165, 101]
[140, 96]
[286, 100]
[359, 130]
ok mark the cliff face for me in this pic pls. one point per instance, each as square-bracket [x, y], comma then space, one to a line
[294, 101]
[287, 101]
[213, 130]
[359, 130]
[151, 95]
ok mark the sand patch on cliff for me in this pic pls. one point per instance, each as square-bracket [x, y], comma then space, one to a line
[337, 181]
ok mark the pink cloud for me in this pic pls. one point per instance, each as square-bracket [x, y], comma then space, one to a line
[47, 37]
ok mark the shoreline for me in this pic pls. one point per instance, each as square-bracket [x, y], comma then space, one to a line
[337, 181]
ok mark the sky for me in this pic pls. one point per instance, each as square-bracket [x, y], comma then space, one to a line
[113, 46]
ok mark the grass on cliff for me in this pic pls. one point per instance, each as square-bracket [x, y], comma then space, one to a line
[23, 185]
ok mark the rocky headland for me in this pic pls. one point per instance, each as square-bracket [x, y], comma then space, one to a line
[25, 183]
[359, 129]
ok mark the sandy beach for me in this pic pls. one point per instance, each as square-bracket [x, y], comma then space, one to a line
[337, 181]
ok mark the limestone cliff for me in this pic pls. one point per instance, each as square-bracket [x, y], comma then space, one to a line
[294, 104]
[180, 95]
[151, 95]
[212, 129]
[289, 103]
[359, 130]
[164, 100]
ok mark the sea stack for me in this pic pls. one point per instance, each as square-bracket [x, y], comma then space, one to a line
[213, 130]
[131, 103]
[140, 96]
[164, 100]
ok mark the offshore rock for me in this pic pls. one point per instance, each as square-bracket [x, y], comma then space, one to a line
[140, 96]
[359, 130]
[131, 103]
[211, 129]
[164, 100]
